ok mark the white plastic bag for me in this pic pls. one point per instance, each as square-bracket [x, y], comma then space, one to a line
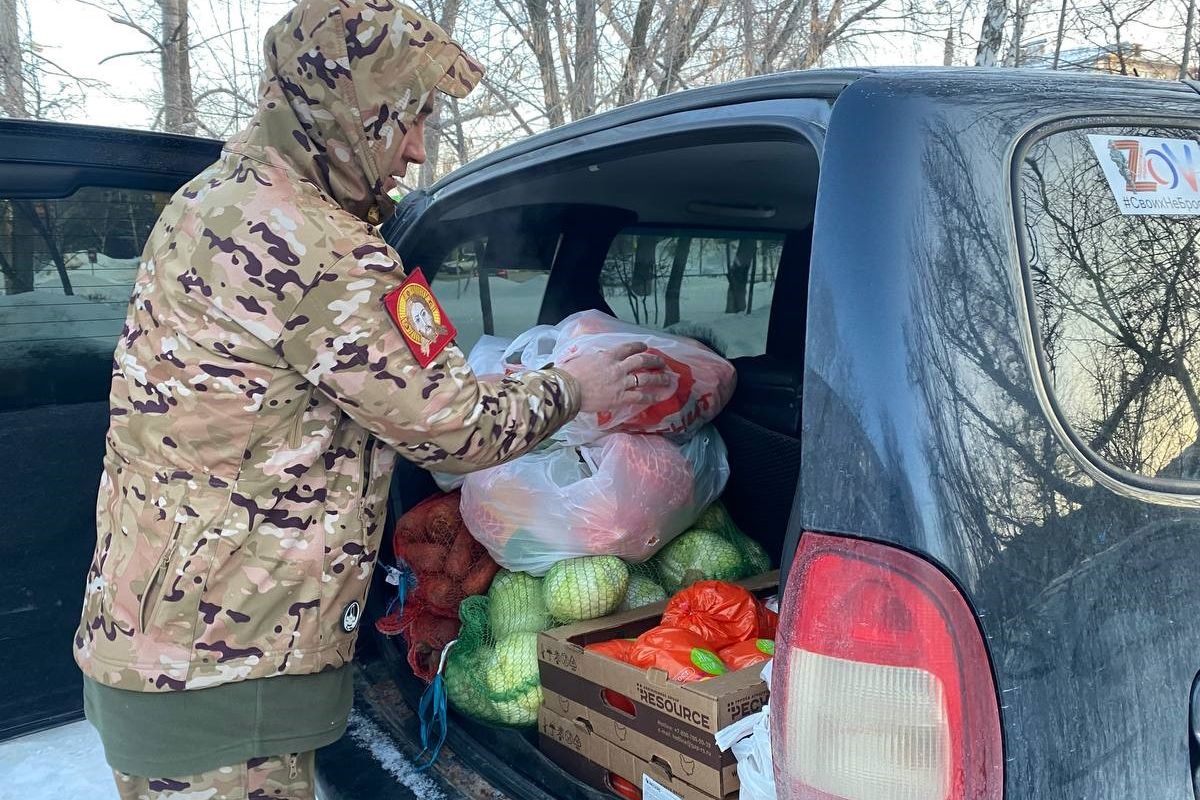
[750, 740]
[625, 496]
[703, 381]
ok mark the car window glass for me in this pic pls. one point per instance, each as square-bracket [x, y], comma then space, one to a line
[716, 287]
[496, 300]
[68, 267]
[1112, 229]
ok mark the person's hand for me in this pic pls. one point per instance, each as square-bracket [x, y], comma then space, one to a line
[610, 377]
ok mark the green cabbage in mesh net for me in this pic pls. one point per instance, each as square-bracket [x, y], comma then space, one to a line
[713, 549]
[516, 605]
[493, 679]
[585, 588]
[642, 591]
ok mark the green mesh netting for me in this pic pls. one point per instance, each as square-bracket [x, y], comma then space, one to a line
[712, 549]
[492, 672]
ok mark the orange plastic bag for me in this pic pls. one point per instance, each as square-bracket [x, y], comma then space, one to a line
[748, 653]
[719, 612]
[680, 653]
[613, 648]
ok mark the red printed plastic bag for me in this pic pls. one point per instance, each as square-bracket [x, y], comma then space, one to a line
[703, 380]
[768, 622]
[680, 653]
[721, 613]
[748, 653]
[624, 496]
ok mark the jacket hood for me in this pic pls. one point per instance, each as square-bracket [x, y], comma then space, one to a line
[344, 80]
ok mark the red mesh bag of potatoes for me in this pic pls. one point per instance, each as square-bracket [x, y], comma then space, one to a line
[448, 565]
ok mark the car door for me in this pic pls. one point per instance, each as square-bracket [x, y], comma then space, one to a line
[76, 205]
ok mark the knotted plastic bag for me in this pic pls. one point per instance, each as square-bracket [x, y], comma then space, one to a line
[624, 496]
[721, 613]
[702, 381]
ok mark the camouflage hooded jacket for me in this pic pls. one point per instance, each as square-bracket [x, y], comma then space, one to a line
[260, 391]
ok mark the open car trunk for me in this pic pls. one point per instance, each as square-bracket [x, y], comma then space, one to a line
[574, 249]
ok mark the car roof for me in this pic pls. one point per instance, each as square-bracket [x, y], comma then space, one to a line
[812, 83]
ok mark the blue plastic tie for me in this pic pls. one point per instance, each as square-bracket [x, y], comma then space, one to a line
[433, 714]
[403, 578]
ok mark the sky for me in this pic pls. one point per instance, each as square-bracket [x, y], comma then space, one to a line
[79, 38]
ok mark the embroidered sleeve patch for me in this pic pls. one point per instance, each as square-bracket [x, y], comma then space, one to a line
[420, 318]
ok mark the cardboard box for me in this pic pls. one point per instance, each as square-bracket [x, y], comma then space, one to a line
[590, 758]
[673, 725]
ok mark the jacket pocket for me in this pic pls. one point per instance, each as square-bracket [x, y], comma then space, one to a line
[154, 584]
[296, 433]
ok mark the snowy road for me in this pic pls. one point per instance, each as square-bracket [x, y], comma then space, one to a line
[66, 762]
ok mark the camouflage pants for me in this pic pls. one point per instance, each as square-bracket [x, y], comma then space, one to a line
[289, 777]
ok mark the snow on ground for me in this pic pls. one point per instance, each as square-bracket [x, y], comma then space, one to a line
[65, 762]
[366, 734]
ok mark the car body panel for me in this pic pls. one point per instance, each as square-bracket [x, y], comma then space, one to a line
[921, 418]
[52, 422]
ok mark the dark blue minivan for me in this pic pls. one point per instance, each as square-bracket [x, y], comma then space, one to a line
[964, 308]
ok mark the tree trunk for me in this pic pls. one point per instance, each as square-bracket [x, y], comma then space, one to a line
[948, 48]
[584, 98]
[12, 78]
[991, 35]
[1058, 37]
[749, 67]
[683, 248]
[179, 105]
[1188, 32]
[39, 220]
[18, 271]
[1020, 12]
[434, 129]
[539, 37]
[644, 263]
[738, 276]
[636, 61]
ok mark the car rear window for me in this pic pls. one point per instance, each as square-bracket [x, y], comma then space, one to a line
[1111, 220]
[712, 286]
[482, 298]
[68, 267]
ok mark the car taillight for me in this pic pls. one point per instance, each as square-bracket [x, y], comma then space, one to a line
[881, 688]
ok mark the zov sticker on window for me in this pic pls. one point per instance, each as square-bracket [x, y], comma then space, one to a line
[1151, 176]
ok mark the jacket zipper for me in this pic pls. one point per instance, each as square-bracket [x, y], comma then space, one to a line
[296, 437]
[156, 579]
[368, 459]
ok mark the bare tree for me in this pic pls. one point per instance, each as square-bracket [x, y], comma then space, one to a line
[1189, 27]
[991, 34]
[583, 94]
[1059, 34]
[12, 62]
[1107, 24]
[164, 24]
[635, 61]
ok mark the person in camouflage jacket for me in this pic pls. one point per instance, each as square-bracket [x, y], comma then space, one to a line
[260, 390]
